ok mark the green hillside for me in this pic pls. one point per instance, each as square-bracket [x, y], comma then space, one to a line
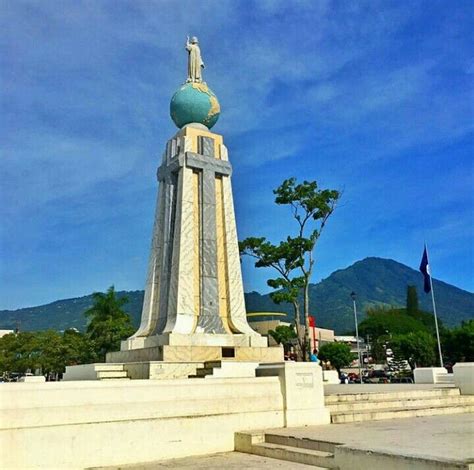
[375, 280]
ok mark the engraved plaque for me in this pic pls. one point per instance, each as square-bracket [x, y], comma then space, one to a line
[304, 380]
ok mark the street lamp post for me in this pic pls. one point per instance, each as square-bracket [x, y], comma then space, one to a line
[353, 297]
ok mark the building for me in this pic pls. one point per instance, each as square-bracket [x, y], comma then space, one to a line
[318, 336]
[6, 332]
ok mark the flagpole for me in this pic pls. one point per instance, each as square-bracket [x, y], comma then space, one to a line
[434, 311]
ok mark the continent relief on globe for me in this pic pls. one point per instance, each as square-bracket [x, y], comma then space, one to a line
[194, 102]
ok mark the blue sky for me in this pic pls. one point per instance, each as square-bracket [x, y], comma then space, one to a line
[374, 98]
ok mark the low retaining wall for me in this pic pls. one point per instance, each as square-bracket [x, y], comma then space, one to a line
[100, 423]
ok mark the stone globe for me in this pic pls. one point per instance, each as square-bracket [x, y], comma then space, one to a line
[194, 102]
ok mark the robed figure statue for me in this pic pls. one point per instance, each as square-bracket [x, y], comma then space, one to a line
[195, 62]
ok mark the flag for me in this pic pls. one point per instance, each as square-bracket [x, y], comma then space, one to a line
[425, 269]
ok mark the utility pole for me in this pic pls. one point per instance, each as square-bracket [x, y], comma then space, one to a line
[353, 297]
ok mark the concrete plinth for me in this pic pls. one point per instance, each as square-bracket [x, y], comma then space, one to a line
[428, 375]
[464, 377]
[302, 390]
[32, 378]
[331, 377]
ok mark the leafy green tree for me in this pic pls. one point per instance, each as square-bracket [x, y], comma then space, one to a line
[293, 259]
[283, 335]
[458, 343]
[412, 301]
[77, 348]
[8, 353]
[378, 348]
[108, 324]
[384, 322]
[417, 348]
[18, 352]
[338, 354]
[49, 352]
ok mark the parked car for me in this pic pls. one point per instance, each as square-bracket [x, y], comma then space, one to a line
[376, 377]
[401, 380]
[353, 378]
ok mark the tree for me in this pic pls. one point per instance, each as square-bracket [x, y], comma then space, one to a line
[398, 364]
[283, 335]
[412, 301]
[384, 322]
[338, 354]
[293, 259]
[18, 352]
[49, 352]
[108, 324]
[458, 343]
[417, 348]
[378, 348]
[77, 348]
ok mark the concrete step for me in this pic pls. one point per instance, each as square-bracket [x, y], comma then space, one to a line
[299, 442]
[115, 378]
[295, 454]
[207, 370]
[445, 379]
[108, 367]
[203, 372]
[234, 369]
[389, 395]
[284, 448]
[112, 374]
[353, 406]
[212, 364]
[405, 412]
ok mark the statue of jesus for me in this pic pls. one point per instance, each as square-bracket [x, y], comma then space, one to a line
[194, 60]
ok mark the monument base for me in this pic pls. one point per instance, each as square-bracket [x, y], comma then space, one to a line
[146, 358]
[195, 339]
[185, 354]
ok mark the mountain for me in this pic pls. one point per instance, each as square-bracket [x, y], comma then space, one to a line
[376, 281]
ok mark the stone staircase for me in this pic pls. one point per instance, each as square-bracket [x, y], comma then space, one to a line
[306, 451]
[322, 454]
[352, 407]
[111, 371]
[225, 369]
[97, 371]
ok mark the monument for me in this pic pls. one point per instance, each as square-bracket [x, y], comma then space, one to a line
[194, 308]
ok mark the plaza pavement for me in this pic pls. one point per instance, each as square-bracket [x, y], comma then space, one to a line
[223, 461]
[443, 437]
[435, 437]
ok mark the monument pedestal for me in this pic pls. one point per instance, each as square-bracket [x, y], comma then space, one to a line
[197, 354]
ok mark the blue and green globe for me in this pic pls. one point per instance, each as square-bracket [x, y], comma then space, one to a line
[194, 102]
